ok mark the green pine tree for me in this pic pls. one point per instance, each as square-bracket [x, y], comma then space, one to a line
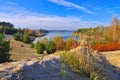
[26, 38]
[4, 49]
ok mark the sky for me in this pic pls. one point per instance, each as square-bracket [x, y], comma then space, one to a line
[59, 14]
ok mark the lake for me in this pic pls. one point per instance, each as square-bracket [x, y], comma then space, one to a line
[8, 37]
[51, 35]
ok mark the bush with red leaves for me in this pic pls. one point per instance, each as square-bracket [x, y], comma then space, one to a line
[111, 46]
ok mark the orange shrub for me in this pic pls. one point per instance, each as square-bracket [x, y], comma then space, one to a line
[59, 42]
[111, 46]
[70, 44]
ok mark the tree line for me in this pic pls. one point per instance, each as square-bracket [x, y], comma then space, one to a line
[103, 38]
[7, 28]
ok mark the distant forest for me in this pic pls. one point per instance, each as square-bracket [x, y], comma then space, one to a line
[7, 28]
[101, 38]
[102, 33]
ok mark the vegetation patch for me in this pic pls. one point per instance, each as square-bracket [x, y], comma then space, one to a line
[81, 64]
[39, 47]
[111, 46]
[4, 49]
[50, 47]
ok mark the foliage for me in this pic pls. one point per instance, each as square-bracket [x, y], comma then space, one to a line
[44, 31]
[7, 28]
[22, 37]
[44, 41]
[39, 47]
[83, 30]
[4, 49]
[106, 39]
[70, 44]
[50, 47]
[32, 45]
[6, 24]
[59, 42]
[103, 34]
[26, 38]
[115, 29]
[81, 64]
[29, 31]
[18, 36]
[111, 46]
[20, 31]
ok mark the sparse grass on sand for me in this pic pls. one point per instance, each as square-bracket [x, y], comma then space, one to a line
[22, 51]
[113, 57]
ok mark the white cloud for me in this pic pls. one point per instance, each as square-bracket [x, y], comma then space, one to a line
[21, 17]
[70, 4]
[12, 3]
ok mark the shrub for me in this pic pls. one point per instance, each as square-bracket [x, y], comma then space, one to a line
[44, 41]
[22, 37]
[70, 44]
[111, 46]
[26, 38]
[39, 47]
[106, 39]
[18, 36]
[4, 49]
[32, 45]
[59, 42]
[81, 64]
[50, 47]
[29, 31]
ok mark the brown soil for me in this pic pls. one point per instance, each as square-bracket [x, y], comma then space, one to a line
[21, 51]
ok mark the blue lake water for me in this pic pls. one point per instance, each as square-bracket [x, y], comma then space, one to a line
[51, 35]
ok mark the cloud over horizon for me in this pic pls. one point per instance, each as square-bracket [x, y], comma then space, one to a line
[21, 17]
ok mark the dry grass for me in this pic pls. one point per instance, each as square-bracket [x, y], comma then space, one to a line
[81, 64]
[22, 51]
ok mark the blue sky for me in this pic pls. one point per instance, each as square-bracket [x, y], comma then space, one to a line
[59, 14]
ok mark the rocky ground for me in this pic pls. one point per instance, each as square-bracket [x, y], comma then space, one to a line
[46, 68]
